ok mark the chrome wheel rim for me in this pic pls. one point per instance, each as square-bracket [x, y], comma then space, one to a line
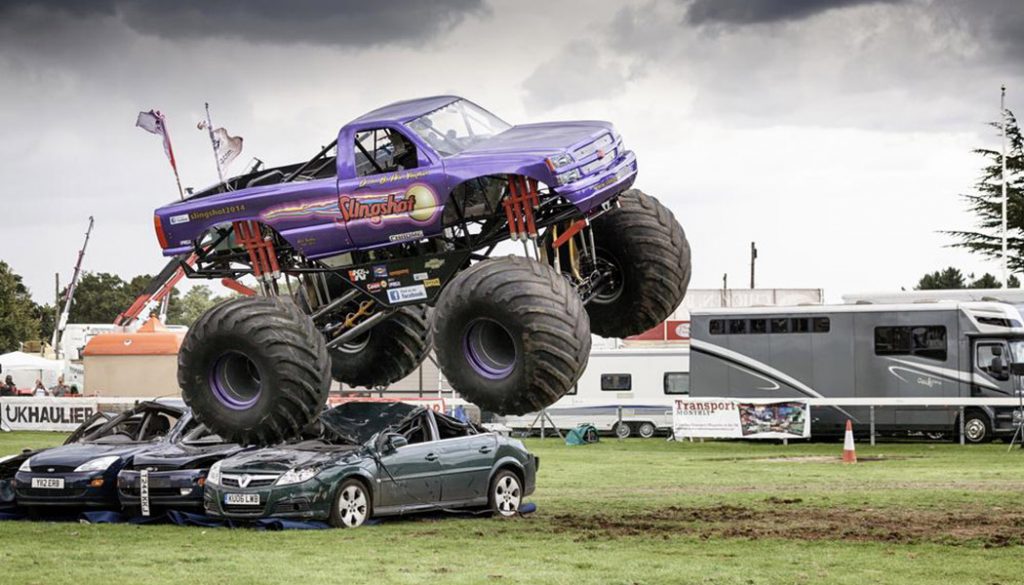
[622, 431]
[974, 430]
[647, 430]
[352, 506]
[507, 495]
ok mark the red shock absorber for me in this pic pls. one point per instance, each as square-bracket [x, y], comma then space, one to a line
[245, 238]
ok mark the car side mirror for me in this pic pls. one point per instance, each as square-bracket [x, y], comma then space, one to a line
[392, 442]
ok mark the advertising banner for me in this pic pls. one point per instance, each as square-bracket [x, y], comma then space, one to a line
[728, 418]
[45, 414]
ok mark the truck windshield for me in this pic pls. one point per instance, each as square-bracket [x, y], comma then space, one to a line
[457, 126]
[1017, 351]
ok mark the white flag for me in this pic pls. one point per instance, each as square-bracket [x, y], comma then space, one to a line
[153, 122]
[226, 147]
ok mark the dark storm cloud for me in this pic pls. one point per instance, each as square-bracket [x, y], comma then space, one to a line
[741, 12]
[351, 23]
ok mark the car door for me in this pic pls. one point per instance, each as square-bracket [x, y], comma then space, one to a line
[394, 189]
[466, 463]
[411, 475]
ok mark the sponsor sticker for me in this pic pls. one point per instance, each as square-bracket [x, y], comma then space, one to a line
[176, 219]
[433, 263]
[400, 272]
[394, 282]
[432, 282]
[407, 293]
[358, 274]
[383, 284]
[380, 271]
[416, 235]
[420, 276]
[373, 287]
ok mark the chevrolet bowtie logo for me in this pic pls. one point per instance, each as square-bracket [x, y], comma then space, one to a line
[244, 480]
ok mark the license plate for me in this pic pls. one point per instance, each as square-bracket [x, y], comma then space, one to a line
[48, 483]
[242, 499]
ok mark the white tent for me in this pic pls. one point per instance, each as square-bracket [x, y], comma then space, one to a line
[26, 368]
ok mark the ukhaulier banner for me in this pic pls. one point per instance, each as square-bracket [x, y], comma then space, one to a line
[45, 414]
[729, 418]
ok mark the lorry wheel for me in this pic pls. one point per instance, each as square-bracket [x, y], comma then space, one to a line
[511, 335]
[254, 370]
[977, 428]
[387, 353]
[622, 430]
[646, 247]
[646, 430]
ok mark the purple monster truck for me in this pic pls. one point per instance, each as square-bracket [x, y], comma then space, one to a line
[402, 212]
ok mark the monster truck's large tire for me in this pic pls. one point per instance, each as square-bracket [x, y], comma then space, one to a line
[649, 251]
[254, 370]
[511, 335]
[387, 353]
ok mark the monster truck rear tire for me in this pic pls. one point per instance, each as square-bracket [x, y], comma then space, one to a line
[511, 335]
[387, 353]
[254, 370]
[648, 247]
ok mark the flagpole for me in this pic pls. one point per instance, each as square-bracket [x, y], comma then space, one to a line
[213, 143]
[1002, 117]
[174, 164]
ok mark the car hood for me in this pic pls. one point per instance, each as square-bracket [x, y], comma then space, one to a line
[79, 453]
[541, 139]
[281, 459]
[169, 456]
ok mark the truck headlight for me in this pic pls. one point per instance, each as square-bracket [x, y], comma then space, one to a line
[569, 177]
[559, 160]
[298, 475]
[214, 474]
[98, 464]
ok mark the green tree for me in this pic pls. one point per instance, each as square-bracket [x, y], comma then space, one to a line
[18, 320]
[99, 298]
[986, 281]
[986, 202]
[942, 280]
[193, 304]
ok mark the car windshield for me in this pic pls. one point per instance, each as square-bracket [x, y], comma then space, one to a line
[457, 126]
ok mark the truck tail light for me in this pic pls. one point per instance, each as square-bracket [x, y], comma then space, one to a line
[160, 235]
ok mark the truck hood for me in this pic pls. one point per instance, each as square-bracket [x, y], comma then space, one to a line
[167, 456]
[542, 139]
[281, 459]
[79, 453]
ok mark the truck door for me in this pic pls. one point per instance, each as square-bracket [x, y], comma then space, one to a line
[393, 187]
[991, 369]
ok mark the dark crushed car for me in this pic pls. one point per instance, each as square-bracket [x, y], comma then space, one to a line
[375, 459]
[84, 473]
[174, 472]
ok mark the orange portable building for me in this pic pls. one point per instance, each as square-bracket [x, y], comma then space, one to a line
[140, 363]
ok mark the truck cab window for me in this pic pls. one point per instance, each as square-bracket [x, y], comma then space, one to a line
[993, 360]
[383, 150]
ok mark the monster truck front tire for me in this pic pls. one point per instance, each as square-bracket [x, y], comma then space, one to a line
[511, 335]
[648, 250]
[254, 370]
[385, 354]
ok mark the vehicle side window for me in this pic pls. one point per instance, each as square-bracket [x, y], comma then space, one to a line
[986, 354]
[383, 150]
[417, 430]
[450, 428]
[927, 341]
[616, 382]
[156, 425]
[677, 383]
[717, 326]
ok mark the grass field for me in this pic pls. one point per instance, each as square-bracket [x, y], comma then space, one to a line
[617, 512]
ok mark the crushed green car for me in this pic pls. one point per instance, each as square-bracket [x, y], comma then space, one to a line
[372, 459]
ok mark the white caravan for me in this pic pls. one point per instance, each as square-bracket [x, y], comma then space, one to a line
[644, 382]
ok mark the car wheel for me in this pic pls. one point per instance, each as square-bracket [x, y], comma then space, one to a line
[647, 430]
[977, 428]
[506, 493]
[352, 505]
[622, 430]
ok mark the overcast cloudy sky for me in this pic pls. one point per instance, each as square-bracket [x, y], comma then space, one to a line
[835, 133]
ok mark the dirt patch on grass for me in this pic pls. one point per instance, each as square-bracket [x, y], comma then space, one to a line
[785, 520]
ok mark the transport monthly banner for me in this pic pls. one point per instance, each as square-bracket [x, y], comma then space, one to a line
[45, 414]
[728, 418]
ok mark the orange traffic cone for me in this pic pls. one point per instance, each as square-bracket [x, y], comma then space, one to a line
[849, 451]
